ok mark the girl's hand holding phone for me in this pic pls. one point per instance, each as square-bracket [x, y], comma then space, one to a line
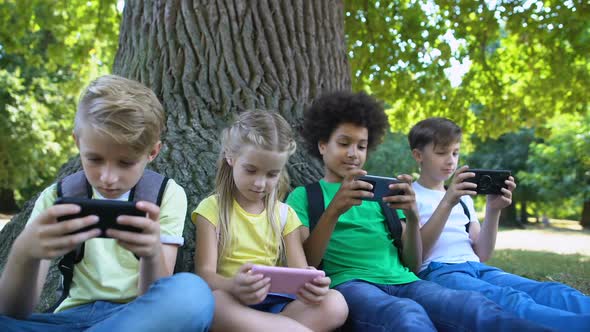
[249, 288]
[314, 292]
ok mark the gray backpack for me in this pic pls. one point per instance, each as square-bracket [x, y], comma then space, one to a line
[150, 187]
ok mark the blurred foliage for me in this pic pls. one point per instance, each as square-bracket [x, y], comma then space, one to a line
[559, 165]
[48, 52]
[491, 66]
[392, 157]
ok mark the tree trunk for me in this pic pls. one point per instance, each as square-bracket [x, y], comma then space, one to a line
[508, 217]
[206, 61]
[7, 202]
[524, 216]
[585, 222]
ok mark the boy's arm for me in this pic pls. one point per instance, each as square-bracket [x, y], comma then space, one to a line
[485, 240]
[21, 284]
[432, 229]
[156, 260]
[348, 195]
[412, 250]
[41, 240]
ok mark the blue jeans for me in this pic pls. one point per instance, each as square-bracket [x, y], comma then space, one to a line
[548, 303]
[424, 306]
[182, 302]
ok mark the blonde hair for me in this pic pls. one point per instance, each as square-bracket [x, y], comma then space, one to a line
[260, 129]
[122, 109]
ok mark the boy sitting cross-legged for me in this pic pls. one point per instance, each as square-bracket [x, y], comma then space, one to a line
[351, 241]
[123, 282]
[453, 252]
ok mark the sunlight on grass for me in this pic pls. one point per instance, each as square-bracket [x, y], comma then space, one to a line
[573, 270]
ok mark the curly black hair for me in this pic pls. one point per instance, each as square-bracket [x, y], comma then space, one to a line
[331, 110]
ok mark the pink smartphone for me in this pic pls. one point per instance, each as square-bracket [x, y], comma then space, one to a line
[287, 280]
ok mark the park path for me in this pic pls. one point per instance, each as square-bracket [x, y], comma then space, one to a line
[554, 239]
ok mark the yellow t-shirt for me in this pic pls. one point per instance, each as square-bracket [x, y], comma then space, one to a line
[251, 242]
[109, 272]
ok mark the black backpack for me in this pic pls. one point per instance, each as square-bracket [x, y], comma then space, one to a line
[76, 185]
[315, 202]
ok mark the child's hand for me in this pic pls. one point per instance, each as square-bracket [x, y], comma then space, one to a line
[407, 201]
[249, 288]
[315, 291]
[46, 238]
[501, 201]
[147, 243]
[458, 187]
[350, 192]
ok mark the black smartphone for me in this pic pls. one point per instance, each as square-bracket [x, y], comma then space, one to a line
[489, 181]
[106, 210]
[380, 187]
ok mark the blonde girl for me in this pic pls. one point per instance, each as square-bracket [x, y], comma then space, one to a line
[241, 224]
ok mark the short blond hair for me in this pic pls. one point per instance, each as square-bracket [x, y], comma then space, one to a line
[122, 109]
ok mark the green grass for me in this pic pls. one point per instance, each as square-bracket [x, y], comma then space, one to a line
[573, 270]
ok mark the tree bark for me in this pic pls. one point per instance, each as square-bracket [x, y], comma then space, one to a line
[207, 61]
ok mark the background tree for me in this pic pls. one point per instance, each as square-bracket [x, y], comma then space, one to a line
[206, 61]
[559, 167]
[492, 66]
[48, 49]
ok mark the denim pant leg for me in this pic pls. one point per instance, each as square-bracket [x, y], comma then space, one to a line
[456, 310]
[464, 276]
[372, 309]
[551, 294]
[182, 302]
[75, 319]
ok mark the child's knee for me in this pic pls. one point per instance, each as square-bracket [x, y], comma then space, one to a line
[334, 306]
[192, 293]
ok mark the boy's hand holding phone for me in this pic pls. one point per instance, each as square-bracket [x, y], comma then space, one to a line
[147, 243]
[404, 197]
[249, 288]
[501, 201]
[459, 187]
[351, 192]
[46, 238]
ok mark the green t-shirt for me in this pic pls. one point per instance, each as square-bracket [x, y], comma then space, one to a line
[359, 247]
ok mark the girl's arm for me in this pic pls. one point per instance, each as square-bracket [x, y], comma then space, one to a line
[294, 249]
[246, 287]
[206, 255]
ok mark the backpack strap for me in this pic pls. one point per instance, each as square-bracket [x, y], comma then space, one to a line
[77, 185]
[144, 189]
[283, 214]
[466, 211]
[315, 203]
[394, 226]
[74, 185]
